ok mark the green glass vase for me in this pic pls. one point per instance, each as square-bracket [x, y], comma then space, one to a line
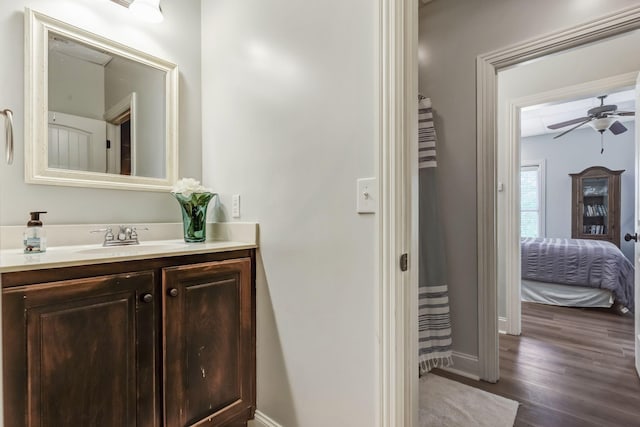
[194, 215]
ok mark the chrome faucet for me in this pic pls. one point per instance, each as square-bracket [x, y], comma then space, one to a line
[126, 236]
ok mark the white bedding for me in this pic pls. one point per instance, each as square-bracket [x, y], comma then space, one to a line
[564, 295]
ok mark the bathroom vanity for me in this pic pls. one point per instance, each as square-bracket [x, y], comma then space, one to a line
[156, 334]
[162, 336]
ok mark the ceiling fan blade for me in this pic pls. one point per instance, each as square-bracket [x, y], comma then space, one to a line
[617, 128]
[588, 119]
[624, 113]
[568, 123]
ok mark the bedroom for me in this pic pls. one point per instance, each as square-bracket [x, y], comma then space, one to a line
[525, 92]
[577, 184]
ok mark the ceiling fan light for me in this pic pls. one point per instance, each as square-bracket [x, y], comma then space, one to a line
[602, 124]
[147, 10]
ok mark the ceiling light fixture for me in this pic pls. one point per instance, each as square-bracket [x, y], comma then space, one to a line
[602, 123]
[147, 10]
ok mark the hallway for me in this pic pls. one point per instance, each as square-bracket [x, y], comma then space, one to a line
[571, 367]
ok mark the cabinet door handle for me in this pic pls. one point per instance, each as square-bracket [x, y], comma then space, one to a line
[147, 298]
[173, 292]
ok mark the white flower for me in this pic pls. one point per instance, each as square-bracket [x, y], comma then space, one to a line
[188, 186]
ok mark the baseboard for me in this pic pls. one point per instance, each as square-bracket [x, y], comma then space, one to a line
[502, 325]
[465, 365]
[261, 420]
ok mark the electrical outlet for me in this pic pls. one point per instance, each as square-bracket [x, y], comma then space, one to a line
[235, 206]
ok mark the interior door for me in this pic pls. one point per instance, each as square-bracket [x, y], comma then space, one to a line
[637, 230]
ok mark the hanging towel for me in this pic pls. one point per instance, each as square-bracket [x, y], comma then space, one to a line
[434, 323]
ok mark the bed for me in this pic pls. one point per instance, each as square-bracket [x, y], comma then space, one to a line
[576, 272]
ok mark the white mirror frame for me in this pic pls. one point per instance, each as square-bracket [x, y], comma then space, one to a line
[37, 28]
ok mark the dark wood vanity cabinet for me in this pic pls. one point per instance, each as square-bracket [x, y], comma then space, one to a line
[162, 342]
[208, 331]
[80, 352]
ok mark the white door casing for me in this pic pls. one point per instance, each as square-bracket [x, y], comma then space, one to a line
[487, 67]
[636, 253]
[113, 116]
[398, 219]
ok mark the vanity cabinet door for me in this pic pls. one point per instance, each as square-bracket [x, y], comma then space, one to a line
[209, 343]
[86, 355]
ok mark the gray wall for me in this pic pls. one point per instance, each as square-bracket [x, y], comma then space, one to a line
[573, 153]
[452, 34]
[176, 39]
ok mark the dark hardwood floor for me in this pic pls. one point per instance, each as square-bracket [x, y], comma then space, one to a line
[571, 367]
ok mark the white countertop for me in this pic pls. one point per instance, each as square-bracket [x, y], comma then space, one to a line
[67, 256]
[72, 245]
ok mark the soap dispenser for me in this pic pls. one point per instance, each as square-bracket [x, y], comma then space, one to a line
[35, 239]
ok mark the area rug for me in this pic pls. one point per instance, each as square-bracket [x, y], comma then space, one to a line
[446, 403]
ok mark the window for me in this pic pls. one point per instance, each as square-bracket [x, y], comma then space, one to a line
[532, 199]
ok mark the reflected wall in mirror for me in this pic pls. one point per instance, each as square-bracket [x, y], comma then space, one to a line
[102, 114]
[105, 112]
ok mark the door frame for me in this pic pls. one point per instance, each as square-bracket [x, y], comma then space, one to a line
[508, 227]
[487, 67]
[397, 219]
[636, 225]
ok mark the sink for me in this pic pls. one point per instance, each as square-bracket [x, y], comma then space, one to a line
[132, 249]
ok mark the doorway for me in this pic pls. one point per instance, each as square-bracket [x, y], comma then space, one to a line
[489, 66]
[558, 202]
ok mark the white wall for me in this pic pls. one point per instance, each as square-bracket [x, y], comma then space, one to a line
[573, 153]
[288, 123]
[176, 39]
[452, 34]
[76, 86]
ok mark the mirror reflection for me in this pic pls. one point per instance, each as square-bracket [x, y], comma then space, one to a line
[106, 113]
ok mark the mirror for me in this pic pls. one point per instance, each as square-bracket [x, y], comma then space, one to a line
[99, 114]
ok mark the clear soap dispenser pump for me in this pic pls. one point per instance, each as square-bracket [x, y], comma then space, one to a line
[35, 239]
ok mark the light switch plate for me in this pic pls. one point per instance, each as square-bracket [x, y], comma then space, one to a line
[367, 195]
[235, 206]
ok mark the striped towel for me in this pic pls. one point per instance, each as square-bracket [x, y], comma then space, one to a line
[434, 322]
[426, 135]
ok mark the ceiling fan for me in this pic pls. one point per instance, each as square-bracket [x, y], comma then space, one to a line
[599, 118]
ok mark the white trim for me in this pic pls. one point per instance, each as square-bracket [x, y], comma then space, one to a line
[128, 103]
[502, 325]
[508, 221]
[465, 365]
[262, 420]
[397, 169]
[509, 264]
[487, 66]
[541, 168]
[636, 218]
